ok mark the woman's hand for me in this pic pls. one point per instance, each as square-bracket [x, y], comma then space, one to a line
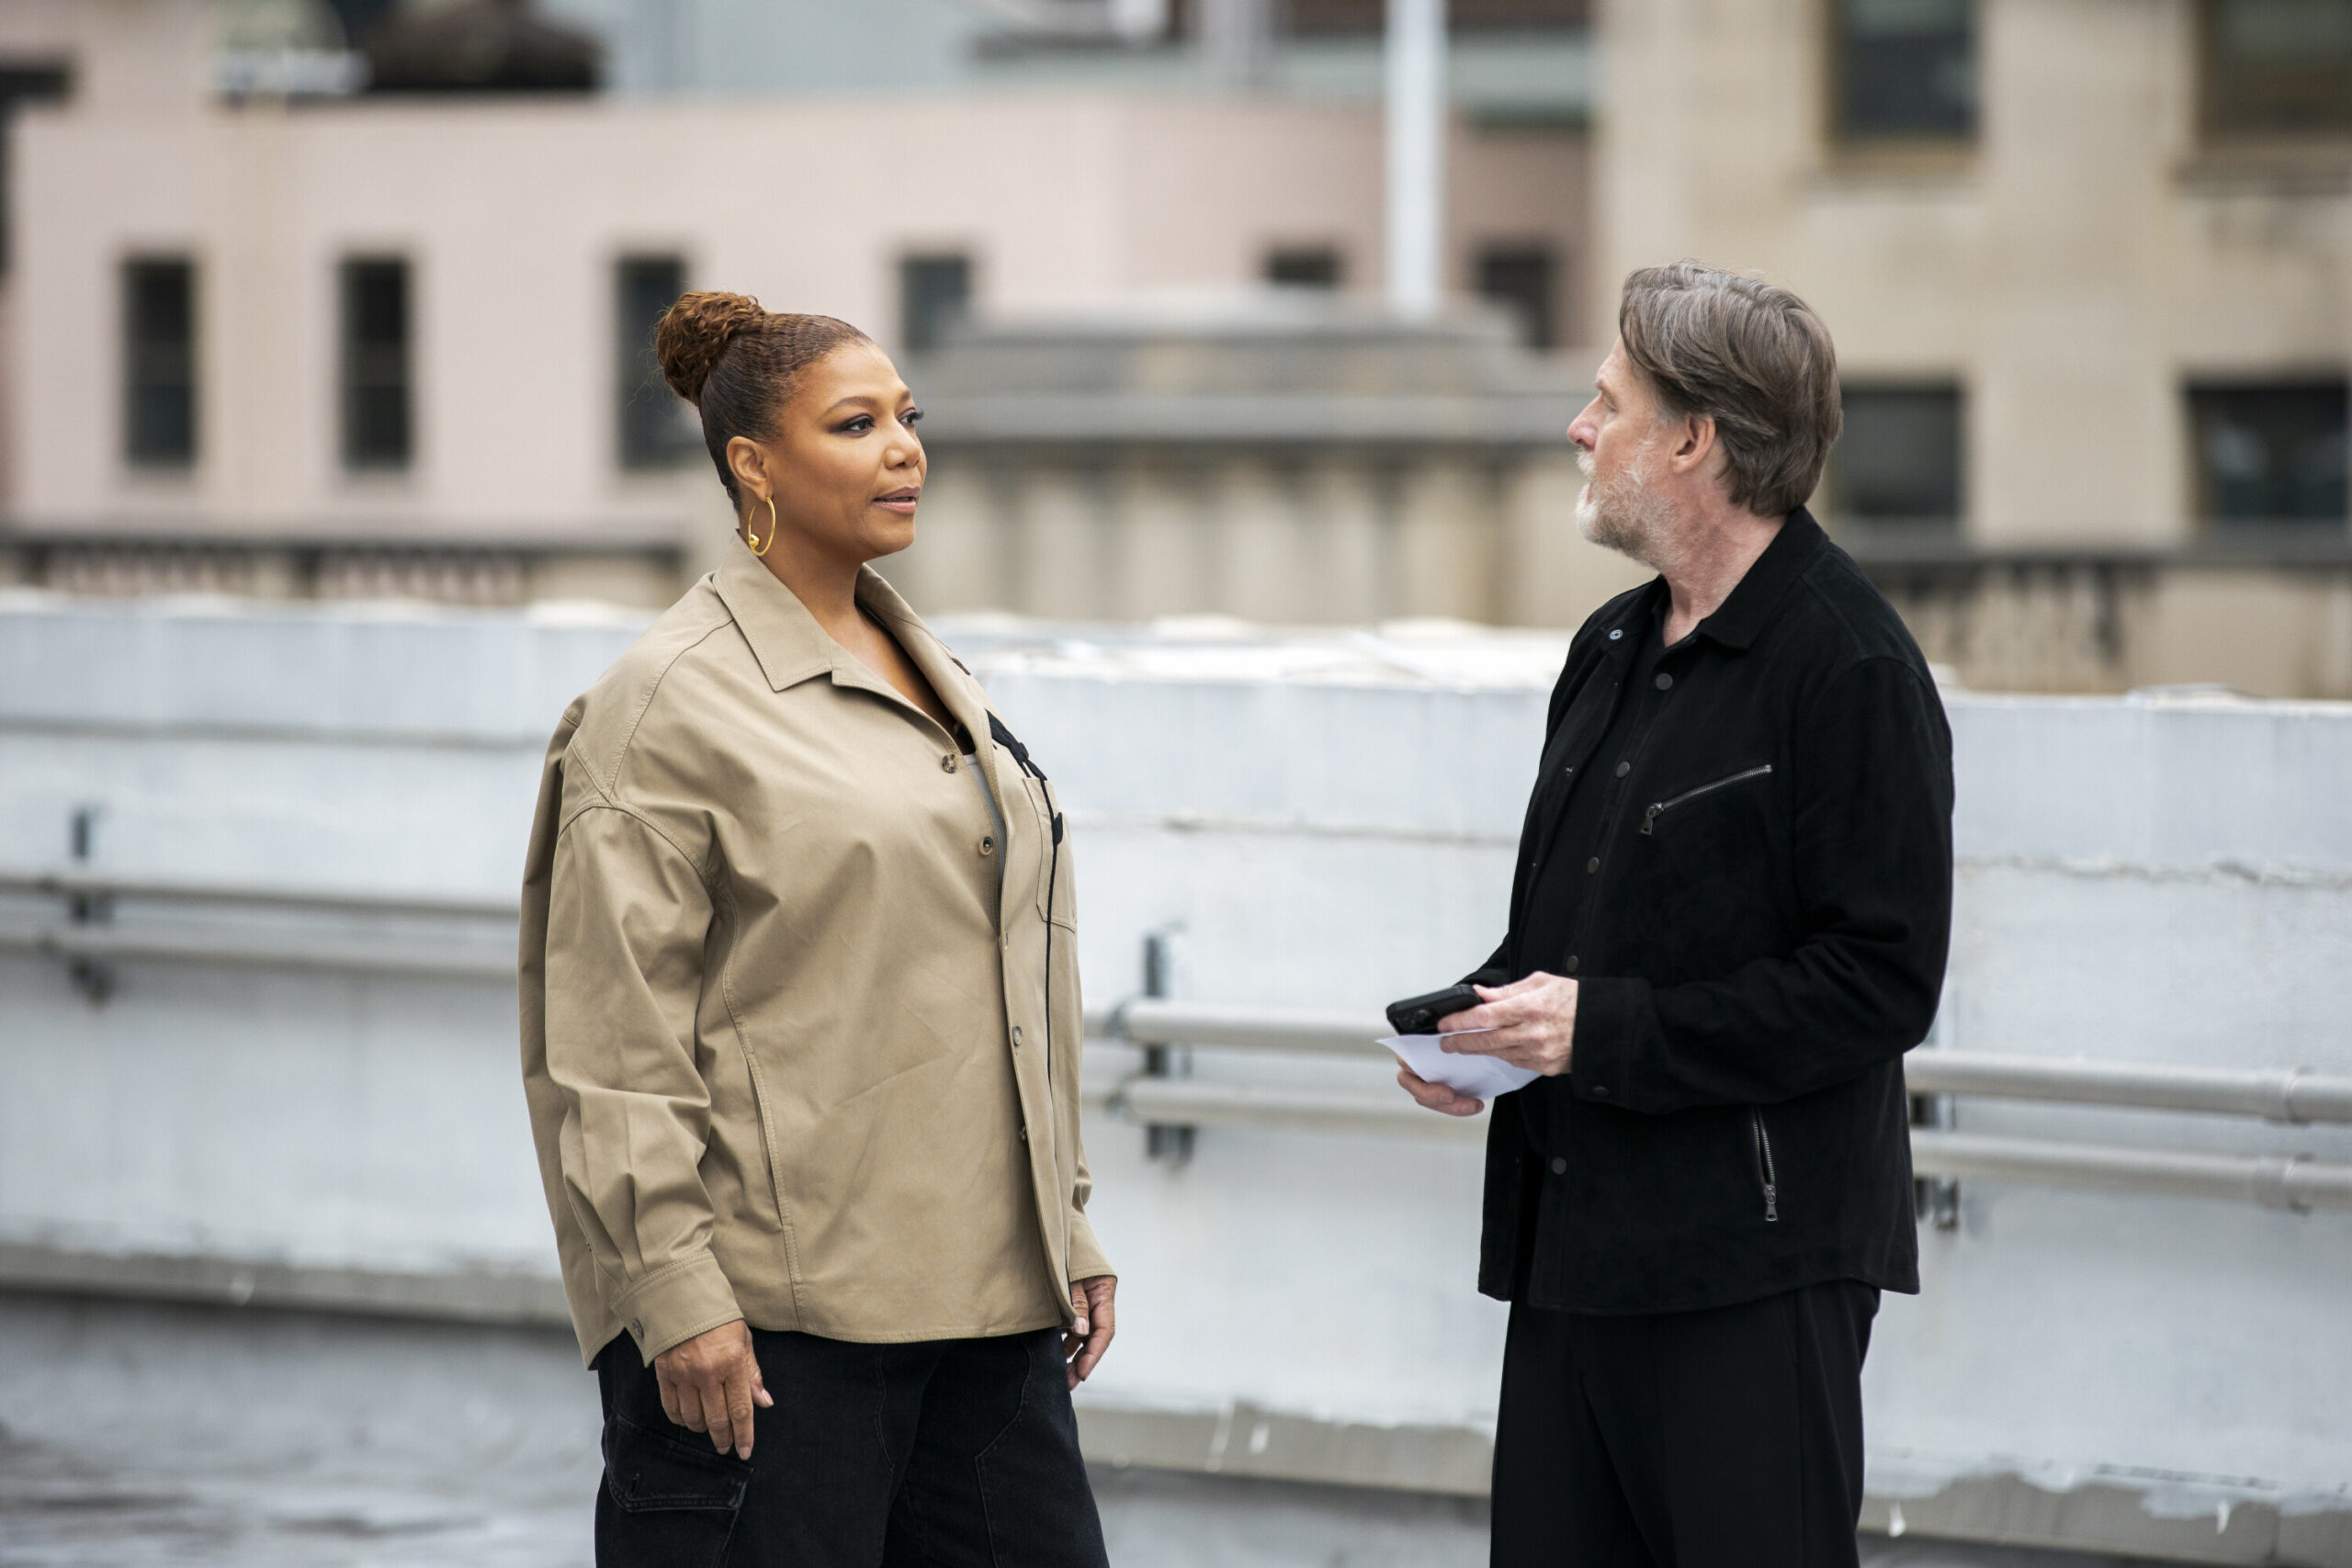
[1530, 1024]
[709, 1385]
[1084, 1344]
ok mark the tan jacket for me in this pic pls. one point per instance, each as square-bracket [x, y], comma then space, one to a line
[792, 1045]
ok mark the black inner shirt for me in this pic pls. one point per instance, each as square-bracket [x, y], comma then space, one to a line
[1556, 909]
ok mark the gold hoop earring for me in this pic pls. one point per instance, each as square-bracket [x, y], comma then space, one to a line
[750, 534]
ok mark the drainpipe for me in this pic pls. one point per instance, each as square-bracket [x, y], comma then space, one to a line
[1415, 157]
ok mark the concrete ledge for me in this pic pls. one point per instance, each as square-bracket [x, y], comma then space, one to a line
[471, 1296]
[2011, 1510]
[1268, 1445]
[2168, 1518]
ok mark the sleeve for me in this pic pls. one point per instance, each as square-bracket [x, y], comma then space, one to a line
[1872, 853]
[627, 915]
[1085, 1259]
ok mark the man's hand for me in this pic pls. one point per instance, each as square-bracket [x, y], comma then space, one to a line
[1437, 1096]
[1531, 1024]
[709, 1385]
[1082, 1346]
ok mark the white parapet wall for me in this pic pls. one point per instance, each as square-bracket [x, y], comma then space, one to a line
[257, 1033]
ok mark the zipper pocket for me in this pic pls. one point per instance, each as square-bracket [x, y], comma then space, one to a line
[1650, 816]
[1765, 1174]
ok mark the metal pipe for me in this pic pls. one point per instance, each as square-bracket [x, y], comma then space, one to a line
[2278, 1094]
[1148, 1020]
[1416, 134]
[77, 885]
[1203, 1103]
[257, 950]
[2300, 1185]
[2291, 1094]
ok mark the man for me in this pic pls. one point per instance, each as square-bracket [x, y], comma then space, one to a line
[1727, 924]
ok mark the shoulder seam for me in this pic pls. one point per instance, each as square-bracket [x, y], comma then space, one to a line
[610, 787]
[607, 803]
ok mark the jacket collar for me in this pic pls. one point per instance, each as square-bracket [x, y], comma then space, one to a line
[1740, 619]
[792, 647]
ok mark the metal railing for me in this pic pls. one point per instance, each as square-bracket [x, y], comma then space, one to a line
[2291, 1096]
[88, 942]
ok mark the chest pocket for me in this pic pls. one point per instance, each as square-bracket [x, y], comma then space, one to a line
[1704, 839]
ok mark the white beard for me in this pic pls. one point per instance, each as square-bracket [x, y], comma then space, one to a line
[1624, 513]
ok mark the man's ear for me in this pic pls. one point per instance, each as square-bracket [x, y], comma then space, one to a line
[1694, 443]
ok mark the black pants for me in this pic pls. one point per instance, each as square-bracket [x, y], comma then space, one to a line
[1725, 1438]
[959, 1454]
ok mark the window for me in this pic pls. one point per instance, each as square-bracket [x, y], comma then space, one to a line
[1304, 266]
[1341, 19]
[657, 427]
[159, 361]
[1521, 278]
[22, 85]
[934, 293]
[1904, 68]
[2278, 67]
[1898, 462]
[377, 397]
[2270, 453]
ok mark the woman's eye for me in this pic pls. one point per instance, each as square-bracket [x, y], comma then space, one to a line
[857, 426]
[912, 416]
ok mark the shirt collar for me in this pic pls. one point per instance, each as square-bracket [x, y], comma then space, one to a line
[1741, 618]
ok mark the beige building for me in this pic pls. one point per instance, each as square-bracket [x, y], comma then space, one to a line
[2089, 265]
[376, 343]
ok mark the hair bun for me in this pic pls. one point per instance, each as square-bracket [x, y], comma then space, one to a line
[694, 332]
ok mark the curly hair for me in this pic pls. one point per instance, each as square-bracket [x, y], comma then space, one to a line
[735, 363]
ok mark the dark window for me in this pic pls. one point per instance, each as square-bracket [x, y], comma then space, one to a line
[159, 360]
[378, 411]
[1304, 266]
[1522, 278]
[2278, 67]
[1342, 19]
[22, 85]
[2270, 454]
[1898, 461]
[1904, 68]
[934, 293]
[657, 427]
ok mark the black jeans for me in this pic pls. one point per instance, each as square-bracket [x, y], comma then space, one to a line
[1730, 1437]
[959, 1454]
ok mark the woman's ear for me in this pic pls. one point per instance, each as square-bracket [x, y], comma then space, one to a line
[749, 466]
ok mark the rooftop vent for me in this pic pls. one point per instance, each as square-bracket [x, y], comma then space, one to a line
[480, 46]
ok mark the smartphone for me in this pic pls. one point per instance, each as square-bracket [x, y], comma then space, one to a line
[1419, 1015]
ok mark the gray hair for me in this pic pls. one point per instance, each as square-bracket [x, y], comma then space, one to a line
[1751, 356]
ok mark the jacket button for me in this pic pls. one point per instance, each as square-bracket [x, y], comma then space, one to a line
[1025, 1132]
[1616, 633]
[1570, 966]
[1016, 1036]
[637, 1327]
[988, 846]
[1624, 768]
[1665, 681]
[947, 763]
[1593, 865]
[1601, 1091]
[1559, 1167]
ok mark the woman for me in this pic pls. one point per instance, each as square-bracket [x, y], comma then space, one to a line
[800, 1028]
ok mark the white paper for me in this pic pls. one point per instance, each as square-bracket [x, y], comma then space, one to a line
[1481, 1077]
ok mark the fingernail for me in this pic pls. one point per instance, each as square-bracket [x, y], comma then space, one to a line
[1079, 1328]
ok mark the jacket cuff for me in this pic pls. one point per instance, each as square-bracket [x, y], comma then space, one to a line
[1600, 1067]
[672, 1305]
[1084, 1259]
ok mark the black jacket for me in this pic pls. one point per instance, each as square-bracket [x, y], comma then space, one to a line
[1764, 939]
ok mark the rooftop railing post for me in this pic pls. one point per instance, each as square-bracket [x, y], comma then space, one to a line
[1161, 1140]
